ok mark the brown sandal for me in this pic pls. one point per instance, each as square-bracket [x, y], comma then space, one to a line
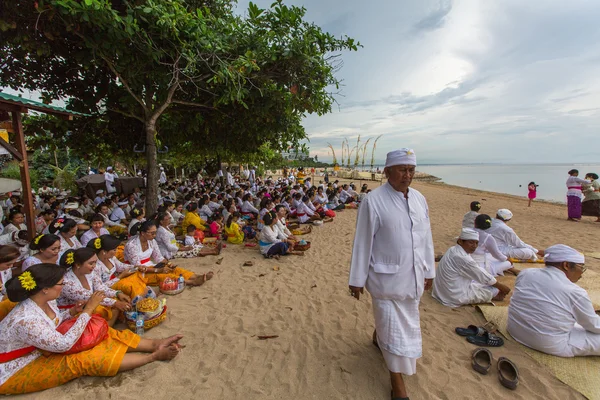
[481, 360]
[508, 373]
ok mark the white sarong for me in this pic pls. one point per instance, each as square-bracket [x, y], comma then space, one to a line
[398, 333]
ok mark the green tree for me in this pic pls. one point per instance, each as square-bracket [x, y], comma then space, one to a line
[189, 72]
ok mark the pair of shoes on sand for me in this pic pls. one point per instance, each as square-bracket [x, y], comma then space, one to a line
[508, 373]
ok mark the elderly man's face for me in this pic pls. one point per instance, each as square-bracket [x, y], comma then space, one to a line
[468, 245]
[400, 175]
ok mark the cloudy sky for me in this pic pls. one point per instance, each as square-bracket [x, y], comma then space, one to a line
[465, 81]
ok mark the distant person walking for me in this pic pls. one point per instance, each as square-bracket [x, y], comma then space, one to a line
[590, 206]
[574, 195]
[532, 187]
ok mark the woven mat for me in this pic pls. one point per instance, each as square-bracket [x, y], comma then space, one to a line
[580, 373]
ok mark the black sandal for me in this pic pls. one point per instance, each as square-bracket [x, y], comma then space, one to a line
[398, 398]
[487, 339]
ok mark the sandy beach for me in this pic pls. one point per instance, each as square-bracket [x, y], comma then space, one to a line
[324, 348]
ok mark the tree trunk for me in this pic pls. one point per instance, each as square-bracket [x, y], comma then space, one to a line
[152, 168]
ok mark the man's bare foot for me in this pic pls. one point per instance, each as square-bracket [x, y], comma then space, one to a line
[166, 352]
[513, 271]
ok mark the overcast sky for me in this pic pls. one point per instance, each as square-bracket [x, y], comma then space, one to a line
[465, 81]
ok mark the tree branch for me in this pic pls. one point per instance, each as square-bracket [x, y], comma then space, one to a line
[123, 82]
[191, 103]
[126, 114]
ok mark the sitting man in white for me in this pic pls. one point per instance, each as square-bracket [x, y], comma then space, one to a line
[549, 312]
[460, 280]
[508, 242]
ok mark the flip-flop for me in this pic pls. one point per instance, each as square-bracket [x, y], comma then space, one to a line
[508, 373]
[481, 360]
[487, 339]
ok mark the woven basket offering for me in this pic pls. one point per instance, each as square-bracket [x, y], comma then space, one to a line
[149, 323]
[171, 287]
[302, 247]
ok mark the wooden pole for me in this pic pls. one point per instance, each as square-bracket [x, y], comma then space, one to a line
[25, 180]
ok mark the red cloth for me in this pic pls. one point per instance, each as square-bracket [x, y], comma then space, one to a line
[95, 332]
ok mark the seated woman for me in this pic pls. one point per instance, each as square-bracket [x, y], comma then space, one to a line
[248, 208]
[271, 245]
[192, 218]
[334, 202]
[137, 215]
[142, 249]
[47, 247]
[305, 213]
[96, 230]
[232, 229]
[44, 220]
[165, 238]
[487, 255]
[80, 283]
[8, 257]
[205, 212]
[16, 222]
[65, 229]
[31, 328]
[177, 212]
[115, 274]
[266, 205]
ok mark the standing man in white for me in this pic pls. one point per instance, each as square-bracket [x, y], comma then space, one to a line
[393, 258]
[109, 177]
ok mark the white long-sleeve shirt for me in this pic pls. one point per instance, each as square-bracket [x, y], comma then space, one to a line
[487, 244]
[166, 242]
[506, 237]
[460, 280]
[574, 185]
[544, 308]
[469, 219]
[268, 237]
[304, 212]
[393, 246]
[249, 208]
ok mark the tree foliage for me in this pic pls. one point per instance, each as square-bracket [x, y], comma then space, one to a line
[187, 74]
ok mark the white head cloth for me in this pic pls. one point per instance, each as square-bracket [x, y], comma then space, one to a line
[401, 157]
[99, 191]
[122, 203]
[469, 234]
[561, 252]
[109, 168]
[71, 206]
[505, 214]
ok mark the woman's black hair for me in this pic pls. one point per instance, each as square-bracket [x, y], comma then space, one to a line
[43, 275]
[269, 217]
[107, 243]
[483, 222]
[97, 218]
[42, 242]
[161, 215]
[8, 253]
[146, 225]
[62, 225]
[592, 175]
[136, 212]
[231, 217]
[14, 212]
[80, 256]
[573, 171]
[135, 229]
[305, 199]
[192, 207]
[191, 228]
[475, 206]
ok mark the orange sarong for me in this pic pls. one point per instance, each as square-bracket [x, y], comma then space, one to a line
[156, 279]
[54, 370]
[6, 306]
[134, 285]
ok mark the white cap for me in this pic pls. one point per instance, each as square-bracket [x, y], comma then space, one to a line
[99, 191]
[403, 156]
[468, 234]
[109, 168]
[561, 253]
[162, 169]
[504, 214]
[72, 206]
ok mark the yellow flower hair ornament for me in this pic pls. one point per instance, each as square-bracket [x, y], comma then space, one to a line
[136, 211]
[489, 221]
[70, 259]
[37, 239]
[27, 281]
[98, 244]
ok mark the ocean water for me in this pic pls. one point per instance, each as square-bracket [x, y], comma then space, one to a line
[511, 179]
